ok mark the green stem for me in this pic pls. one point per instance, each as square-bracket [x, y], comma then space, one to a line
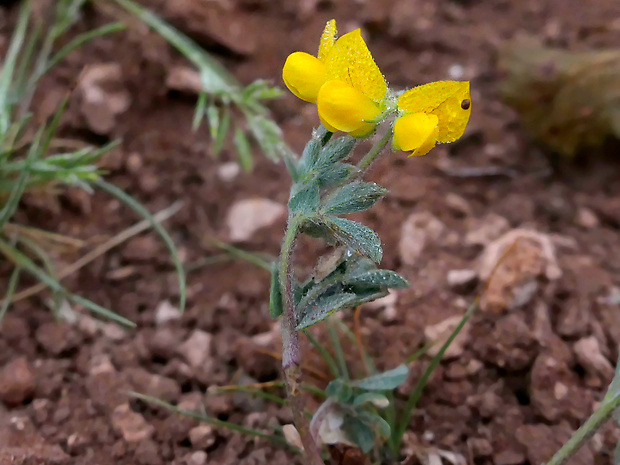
[374, 152]
[291, 353]
[587, 430]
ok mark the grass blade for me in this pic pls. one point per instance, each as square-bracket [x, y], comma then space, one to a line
[417, 392]
[13, 280]
[251, 257]
[342, 362]
[22, 261]
[80, 41]
[331, 363]
[214, 421]
[138, 208]
[22, 182]
[9, 64]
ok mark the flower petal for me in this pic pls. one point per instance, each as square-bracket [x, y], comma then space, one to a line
[345, 108]
[350, 61]
[417, 132]
[304, 75]
[327, 39]
[450, 101]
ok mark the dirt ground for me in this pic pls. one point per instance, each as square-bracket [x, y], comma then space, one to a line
[532, 365]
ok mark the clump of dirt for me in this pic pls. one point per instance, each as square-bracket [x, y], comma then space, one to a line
[529, 370]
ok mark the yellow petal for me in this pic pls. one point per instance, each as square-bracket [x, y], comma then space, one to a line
[328, 126]
[417, 132]
[344, 107]
[327, 39]
[350, 61]
[363, 131]
[304, 75]
[450, 101]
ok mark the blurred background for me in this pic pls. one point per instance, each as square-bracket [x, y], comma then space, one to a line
[539, 163]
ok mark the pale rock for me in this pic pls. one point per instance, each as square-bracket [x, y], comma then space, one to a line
[461, 279]
[132, 425]
[485, 230]
[418, 229]
[17, 382]
[166, 312]
[184, 79]
[103, 96]
[586, 218]
[387, 304]
[247, 216]
[196, 458]
[228, 171]
[597, 366]
[458, 204]
[439, 334]
[202, 436]
[196, 350]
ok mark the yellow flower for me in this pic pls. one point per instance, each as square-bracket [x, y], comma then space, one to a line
[432, 113]
[303, 73]
[344, 80]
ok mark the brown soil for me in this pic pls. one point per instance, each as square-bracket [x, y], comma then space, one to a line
[523, 378]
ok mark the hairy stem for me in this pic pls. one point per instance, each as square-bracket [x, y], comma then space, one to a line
[583, 434]
[374, 152]
[291, 353]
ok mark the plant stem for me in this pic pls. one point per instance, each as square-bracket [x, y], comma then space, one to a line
[291, 353]
[374, 152]
[583, 434]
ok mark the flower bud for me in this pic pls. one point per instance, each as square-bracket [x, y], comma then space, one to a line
[304, 75]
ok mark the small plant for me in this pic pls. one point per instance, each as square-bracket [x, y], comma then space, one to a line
[33, 158]
[351, 96]
[222, 96]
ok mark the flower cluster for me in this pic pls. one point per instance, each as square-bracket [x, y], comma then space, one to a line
[352, 96]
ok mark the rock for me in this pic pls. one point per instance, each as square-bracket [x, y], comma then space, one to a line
[141, 248]
[416, 231]
[555, 393]
[439, 334]
[147, 453]
[196, 458]
[165, 342]
[574, 319]
[228, 171]
[457, 204]
[480, 447]
[103, 96]
[586, 218]
[202, 436]
[216, 22]
[17, 382]
[166, 312]
[246, 217]
[196, 350]
[510, 265]
[508, 457]
[57, 338]
[547, 338]
[507, 343]
[132, 425]
[589, 355]
[542, 441]
[184, 79]
[486, 230]
[462, 280]
[153, 385]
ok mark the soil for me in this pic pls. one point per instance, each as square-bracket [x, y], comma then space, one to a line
[534, 362]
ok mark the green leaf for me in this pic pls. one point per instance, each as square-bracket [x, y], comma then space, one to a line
[377, 423]
[243, 150]
[359, 433]
[353, 197]
[385, 381]
[222, 131]
[337, 150]
[356, 236]
[275, 297]
[334, 174]
[375, 398]
[382, 278]
[322, 307]
[13, 281]
[340, 390]
[305, 198]
[213, 118]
